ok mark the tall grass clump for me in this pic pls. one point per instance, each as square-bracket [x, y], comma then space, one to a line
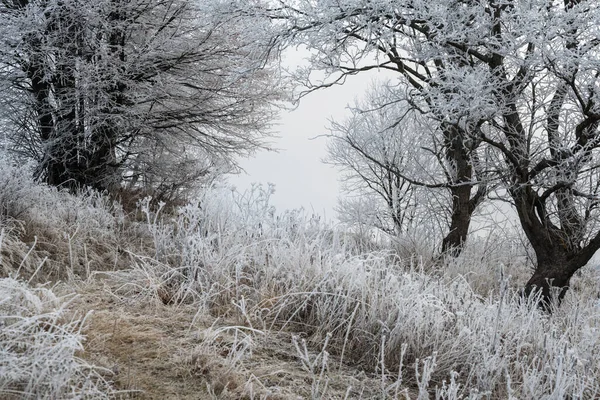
[39, 346]
[228, 245]
[486, 261]
[412, 325]
[73, 234]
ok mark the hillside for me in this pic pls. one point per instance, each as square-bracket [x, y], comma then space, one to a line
[225, 298]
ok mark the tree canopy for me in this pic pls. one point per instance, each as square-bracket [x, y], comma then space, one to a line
[149, 93]
[517, 77]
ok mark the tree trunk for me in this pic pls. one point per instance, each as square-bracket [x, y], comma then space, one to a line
[551, 277]
[558, 257]
[102, 172]
[459, 157]
[452, 244]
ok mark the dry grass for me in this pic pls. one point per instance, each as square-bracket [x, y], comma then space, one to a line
[228, 300]
[161, 352]
[137, 341]
[39, 347]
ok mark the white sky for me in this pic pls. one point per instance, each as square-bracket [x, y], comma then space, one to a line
[301, 178]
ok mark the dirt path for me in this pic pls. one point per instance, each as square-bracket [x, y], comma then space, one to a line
[156, 351]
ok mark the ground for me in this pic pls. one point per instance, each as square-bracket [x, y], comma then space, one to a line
[156, 351]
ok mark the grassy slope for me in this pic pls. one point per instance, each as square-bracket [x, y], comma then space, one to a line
[225, 299]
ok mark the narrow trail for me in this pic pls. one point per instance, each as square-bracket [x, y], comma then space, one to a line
[156, 351]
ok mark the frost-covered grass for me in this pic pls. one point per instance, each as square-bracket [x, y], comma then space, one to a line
[38, 348]
[448, 330]
[68, 234]
[232, 255]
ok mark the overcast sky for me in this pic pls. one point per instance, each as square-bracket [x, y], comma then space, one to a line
[301, 178]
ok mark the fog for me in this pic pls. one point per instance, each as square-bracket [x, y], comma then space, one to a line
[300, 177]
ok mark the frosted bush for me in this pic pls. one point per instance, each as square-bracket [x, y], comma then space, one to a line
[38, 348]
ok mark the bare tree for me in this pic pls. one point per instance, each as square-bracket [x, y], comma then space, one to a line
[141, 91]
[521, 77]
[349, 37]
[391, 159]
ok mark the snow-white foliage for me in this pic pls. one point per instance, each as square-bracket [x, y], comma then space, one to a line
[156, 94]
[392, 165]
[38, 348]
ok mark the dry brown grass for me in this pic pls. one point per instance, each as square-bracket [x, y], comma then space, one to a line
[16, 256]
[158, 351]
[138, 341]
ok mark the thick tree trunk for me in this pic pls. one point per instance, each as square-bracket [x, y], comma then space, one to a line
[558, 255]
[77, 153]
[102, 170]
[552, 276]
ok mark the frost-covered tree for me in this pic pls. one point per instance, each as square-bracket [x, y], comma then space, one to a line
[519, 76]
[393, 170]
[349, 37]
[153, 92]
